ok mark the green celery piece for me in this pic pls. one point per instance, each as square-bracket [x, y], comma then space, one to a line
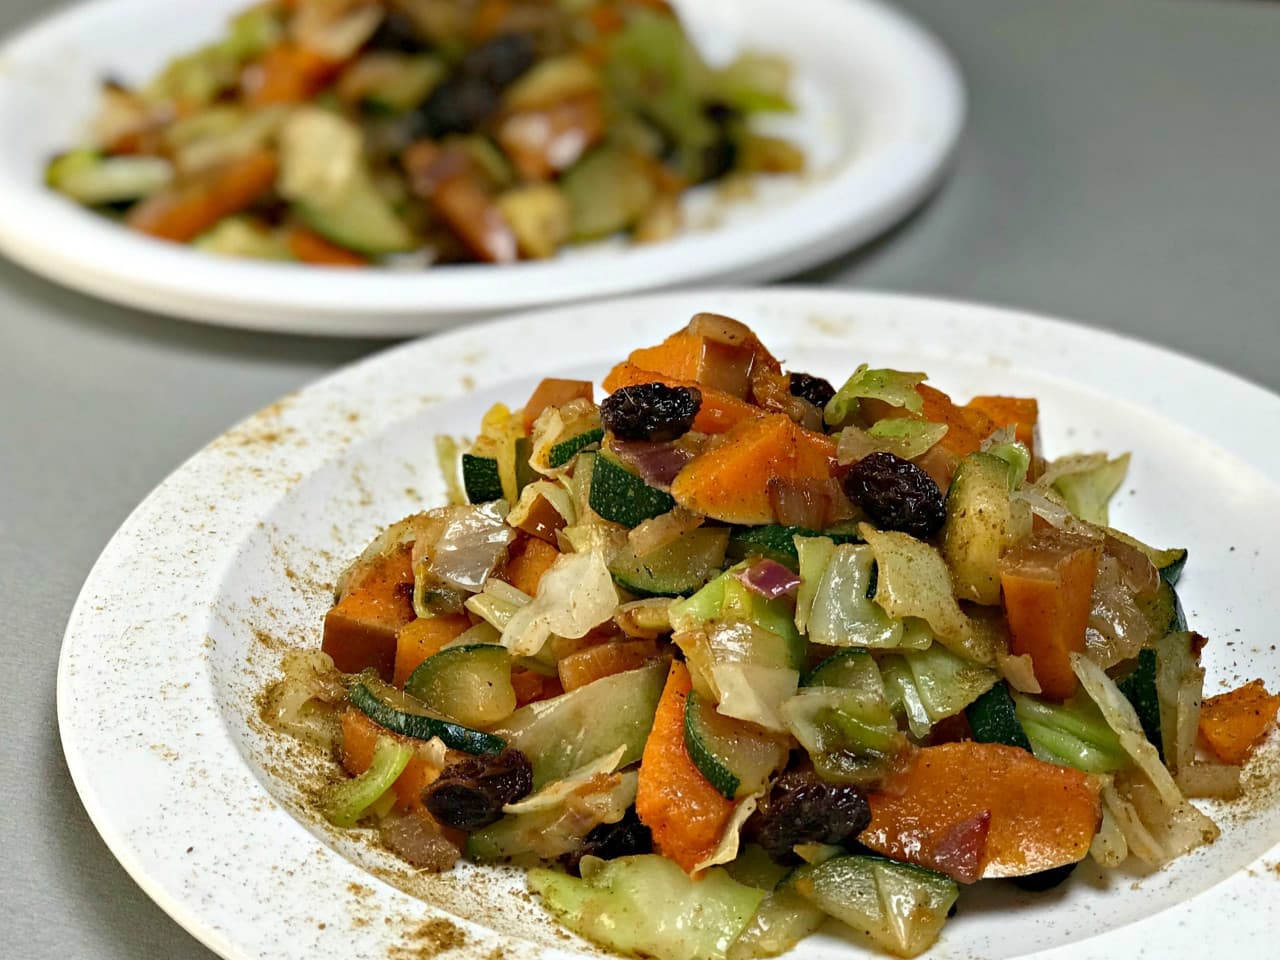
[345, 802]
[1075, 732]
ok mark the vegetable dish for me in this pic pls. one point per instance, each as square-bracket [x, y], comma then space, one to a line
[735, 652]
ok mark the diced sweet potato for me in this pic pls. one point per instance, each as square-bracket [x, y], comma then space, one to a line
[984, 810]
[530, 686]
[359, 740]
[545, 141]
[1234, 723]
[527, 561]
[183, 212]
[423, 638]
[288, 73]
[966, 427]
[309, 247]
[713, 351]
[604, 660]
[1021, 413]
[360, 632]
[554, 392]
[730, 481]
[1047, 587]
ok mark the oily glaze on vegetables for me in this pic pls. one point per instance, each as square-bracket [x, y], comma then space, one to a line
[344, 133]
[738, 650]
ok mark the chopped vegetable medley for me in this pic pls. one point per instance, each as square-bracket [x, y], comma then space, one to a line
[736, 652]
[409, 132]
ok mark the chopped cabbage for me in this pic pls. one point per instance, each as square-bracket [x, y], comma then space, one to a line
[841, 614]
[901, 436]
[1087, 483]
[894, 387]
[575, 595]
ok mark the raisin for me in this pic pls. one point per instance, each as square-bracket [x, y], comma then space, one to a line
[1045, 879]
[608, 841]
[803, 808]
[814, 389]
[502, 60]
[471, 793]
[397, 33]
[651, 411]
[896, 494]
[459, 105]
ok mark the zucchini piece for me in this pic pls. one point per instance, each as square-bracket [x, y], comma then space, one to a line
[782, 920]
[569, 731]
[1163, 610]
[470, 684]
[1139, 688]
[398, 84]
[608, 190]
[735, 757]
[480, 478]
[87, 177]
[564, 451]
[777, 542]
[360, 219]
[845, 668]
[993, 720]
[400, 713]
[676, 570]
[619, 495]
[980, 525]
[647, 905]
[1072, 734]
[525, 474]
[241, 237]
[900, 906]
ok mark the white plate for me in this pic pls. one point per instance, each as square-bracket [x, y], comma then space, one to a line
[880, 106]
[180, 624]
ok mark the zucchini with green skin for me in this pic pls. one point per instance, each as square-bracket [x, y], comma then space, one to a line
[564, 451]
[1139, 688]
[1168, 563]
[400, 713]
[980, 524]
[525, 474]
[777, 542]
[782, 920]
[470, 683]
[619, 495]
[1072, 734]
[1163, 611]
[88, 177]
[736, 757]
[676, 570]
[647, 905]
[360, 219]
[900, 906]
[480, 478]
[992, 719]
[567, 732]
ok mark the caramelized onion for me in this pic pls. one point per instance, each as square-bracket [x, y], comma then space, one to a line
[657, 463]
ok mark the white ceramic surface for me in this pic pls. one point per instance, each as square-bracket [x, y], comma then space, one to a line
[879, 108]
[183, 619]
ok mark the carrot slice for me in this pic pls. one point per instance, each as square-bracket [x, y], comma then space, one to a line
[984, 810]
[730, 481]
[554, 392]
[423, 638]
[183, 213]
[1234, 723]
[309, 247]
[1047, 585]
[360, 632]
[719, 411]
[288, 73]
[686, 814]
[604, 660]
[527, 561]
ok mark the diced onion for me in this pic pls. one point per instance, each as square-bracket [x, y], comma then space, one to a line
[769, 579]
[726, 850]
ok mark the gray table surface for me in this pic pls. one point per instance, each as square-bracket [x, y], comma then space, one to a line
[1119, 168]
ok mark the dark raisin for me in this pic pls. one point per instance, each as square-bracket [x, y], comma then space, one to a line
[397, 33]
[471, 793]
[502, 60]
[896, 494]
[459, 105]
[651, 411]
[814, 389]
[609, 841]
[1045, 879]
[803, 808]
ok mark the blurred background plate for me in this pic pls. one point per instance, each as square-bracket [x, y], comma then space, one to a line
[880, 106]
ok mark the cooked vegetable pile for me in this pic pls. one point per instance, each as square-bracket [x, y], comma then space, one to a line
[344, 132]
[734, 652]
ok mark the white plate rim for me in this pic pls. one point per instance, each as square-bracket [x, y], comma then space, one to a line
[72, 247]
[85, 639]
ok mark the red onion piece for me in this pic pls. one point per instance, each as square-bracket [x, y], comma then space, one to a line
[958, 852]
[657, 463]
[770, 579]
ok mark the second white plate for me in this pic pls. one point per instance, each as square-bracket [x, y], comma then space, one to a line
[879, 108]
